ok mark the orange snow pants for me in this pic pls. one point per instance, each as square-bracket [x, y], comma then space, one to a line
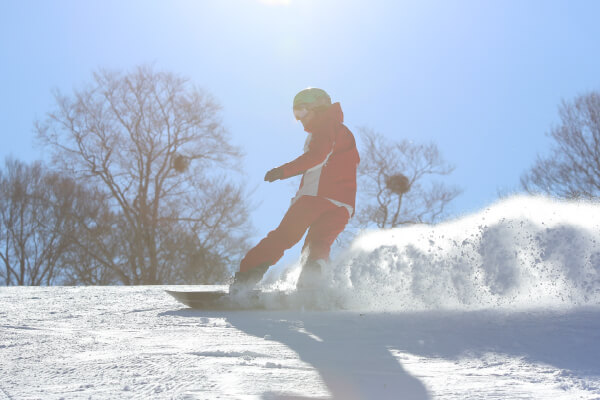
[324, 221]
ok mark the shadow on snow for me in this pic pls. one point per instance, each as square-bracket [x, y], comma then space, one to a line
[351, 351]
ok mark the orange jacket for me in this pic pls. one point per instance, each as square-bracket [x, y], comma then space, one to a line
[329, 162]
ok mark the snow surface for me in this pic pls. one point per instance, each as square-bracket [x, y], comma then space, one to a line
[502, 304]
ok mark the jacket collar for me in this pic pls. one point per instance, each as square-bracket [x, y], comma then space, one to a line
[333, 113]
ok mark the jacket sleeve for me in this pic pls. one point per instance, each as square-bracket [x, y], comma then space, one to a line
[319, 147]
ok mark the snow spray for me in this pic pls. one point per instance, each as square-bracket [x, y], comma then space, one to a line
[522, 252]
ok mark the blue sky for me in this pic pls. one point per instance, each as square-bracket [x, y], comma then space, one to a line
[481, 79]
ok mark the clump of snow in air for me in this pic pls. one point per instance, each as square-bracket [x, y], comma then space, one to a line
[522, 252]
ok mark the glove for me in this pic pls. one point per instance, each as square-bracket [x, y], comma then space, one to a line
[274, 174]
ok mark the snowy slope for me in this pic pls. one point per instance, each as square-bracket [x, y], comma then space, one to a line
[503, 304]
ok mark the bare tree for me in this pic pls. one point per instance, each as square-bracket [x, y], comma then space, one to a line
[34, 224]
[155, 144]
[93, 236]
[394, 182]
[572, 170]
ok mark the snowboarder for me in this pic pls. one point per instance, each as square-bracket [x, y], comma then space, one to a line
[325, 200]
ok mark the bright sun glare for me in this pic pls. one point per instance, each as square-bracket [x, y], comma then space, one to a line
[276, 2]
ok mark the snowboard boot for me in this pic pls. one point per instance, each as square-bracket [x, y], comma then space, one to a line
[247, 280]
[311, 274]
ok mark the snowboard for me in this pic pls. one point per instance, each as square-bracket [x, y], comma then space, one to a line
[217, 297]
[220, 299]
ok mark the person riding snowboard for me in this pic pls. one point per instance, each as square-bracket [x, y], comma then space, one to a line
[325, 200]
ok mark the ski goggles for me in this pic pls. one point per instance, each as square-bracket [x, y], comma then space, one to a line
[300, 112]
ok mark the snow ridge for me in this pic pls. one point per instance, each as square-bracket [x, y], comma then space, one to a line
[522, 252]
